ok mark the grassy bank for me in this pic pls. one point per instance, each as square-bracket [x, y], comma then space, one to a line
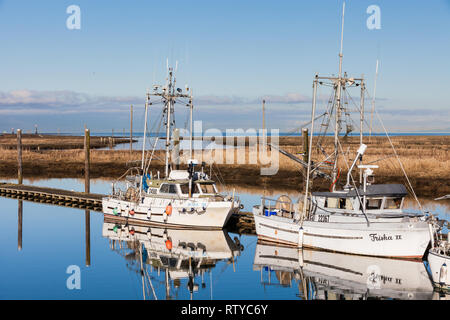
[424, 158]
[38, 142]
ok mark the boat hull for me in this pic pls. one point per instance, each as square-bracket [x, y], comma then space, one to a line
[406, 240]
[183, 214]
[440, 277]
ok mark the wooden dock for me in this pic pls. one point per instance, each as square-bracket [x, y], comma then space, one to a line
[241, 223]
[60, 197]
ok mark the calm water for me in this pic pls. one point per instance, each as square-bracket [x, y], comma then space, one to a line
[203, 265]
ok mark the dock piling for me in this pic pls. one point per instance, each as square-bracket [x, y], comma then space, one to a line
[19, 157]
[87, 143]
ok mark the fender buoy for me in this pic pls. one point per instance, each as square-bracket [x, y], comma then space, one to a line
[169, 245]
[169, 209]
[132, 212]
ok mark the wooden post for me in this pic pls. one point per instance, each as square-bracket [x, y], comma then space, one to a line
[87, 219]
[87, 143]
[19, 157]
[19, 223]
[305, 144]
[176, 149]
[131, 131]
[263, 115]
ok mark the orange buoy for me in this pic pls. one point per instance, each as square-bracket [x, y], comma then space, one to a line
[131, 231]
[169, 209]
[132, 212]
[169, 245]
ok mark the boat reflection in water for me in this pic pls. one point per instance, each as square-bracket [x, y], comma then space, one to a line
[327, 275]
[179, 254]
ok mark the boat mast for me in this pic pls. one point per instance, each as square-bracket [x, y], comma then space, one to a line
[308, 170]
[147, 99]
[338, 106]
[191, 107]
[169, 95]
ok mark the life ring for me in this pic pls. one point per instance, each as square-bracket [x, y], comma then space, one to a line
[168, 244]
[169, 209]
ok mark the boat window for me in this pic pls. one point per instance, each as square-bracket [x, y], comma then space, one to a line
[393, 203]
[331, 203]
[168, 188]
[207, 188]
[185, 188]
[348, 204]
[373, 204]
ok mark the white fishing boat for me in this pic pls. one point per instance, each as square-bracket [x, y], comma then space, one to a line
[182, 198]
[367, 219]
[327, 275]
[439, 263]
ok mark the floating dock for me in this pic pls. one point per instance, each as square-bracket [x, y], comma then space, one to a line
[241, 223]
[60, 197]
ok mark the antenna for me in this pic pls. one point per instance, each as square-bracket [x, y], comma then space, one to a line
[342, 40]
[373, 100]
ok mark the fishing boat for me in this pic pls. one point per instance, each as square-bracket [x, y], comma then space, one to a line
[175, 253]
[327, 275]
[364, 219]
[439, 262]
[181, 198]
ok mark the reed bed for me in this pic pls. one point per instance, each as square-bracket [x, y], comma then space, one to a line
[424, 158]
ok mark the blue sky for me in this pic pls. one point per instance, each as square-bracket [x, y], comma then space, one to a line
[232, 53]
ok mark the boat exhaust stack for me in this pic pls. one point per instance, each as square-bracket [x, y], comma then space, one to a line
[360, 152]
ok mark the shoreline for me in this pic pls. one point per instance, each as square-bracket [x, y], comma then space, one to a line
[425, 160]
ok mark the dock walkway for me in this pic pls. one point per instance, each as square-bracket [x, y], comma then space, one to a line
[242, 223]
[66, 198]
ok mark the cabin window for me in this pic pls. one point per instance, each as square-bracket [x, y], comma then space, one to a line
[373, 204]
[331, 203]
[339, 203]
[393, 203]
[168, 188]
[185, 188]
[207, 188]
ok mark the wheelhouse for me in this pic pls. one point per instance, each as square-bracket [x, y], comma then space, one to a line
[383, 197]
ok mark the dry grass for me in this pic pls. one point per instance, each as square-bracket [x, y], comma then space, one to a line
[424, 158]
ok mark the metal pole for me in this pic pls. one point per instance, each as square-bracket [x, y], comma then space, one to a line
[191, 125]
[145, 132]
[373, 101]
[131, 130]
[19, 157]
[87, 145]
[169, 110]
[361, 126]
[338, 105]
[305, 202]
[263, 114]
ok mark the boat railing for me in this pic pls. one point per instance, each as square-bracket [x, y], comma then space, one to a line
[277, 207]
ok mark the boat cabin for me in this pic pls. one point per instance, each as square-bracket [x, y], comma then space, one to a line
[178, 185]
[380, 197]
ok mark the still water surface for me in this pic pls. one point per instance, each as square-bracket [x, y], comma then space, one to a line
[201, 265]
